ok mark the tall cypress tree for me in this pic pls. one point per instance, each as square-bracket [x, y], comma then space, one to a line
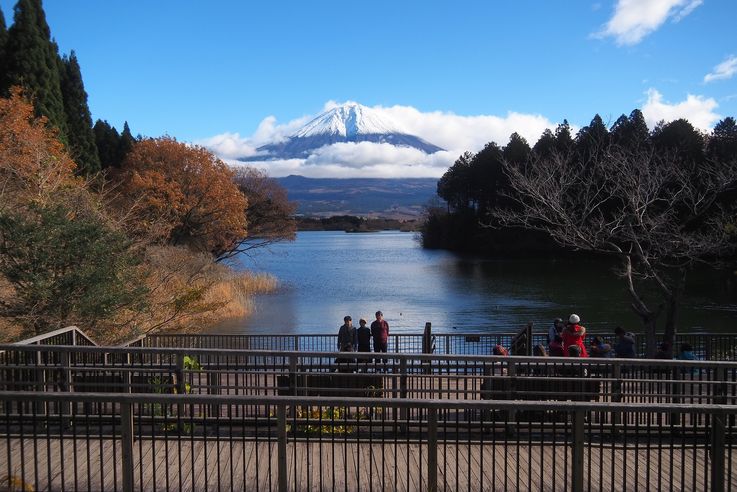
[81, 138]
[126, 143]
[108, 144]
[33, 62]
[3, 43]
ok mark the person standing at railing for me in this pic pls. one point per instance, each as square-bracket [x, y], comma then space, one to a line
[573, 334]
[601, 349]
[625, 346]
[380, 333]
[363, 335]
[555, 329]
[347, 335]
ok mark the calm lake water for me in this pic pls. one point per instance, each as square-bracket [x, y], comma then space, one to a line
[325, 275]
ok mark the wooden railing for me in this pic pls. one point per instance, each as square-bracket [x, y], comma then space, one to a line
[154, 442]
[706, 346]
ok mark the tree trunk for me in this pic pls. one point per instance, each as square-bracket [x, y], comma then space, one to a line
[672, 303]
[648, 317]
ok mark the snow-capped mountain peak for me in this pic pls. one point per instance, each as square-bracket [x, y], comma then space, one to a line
[348, 120]
[348, 123]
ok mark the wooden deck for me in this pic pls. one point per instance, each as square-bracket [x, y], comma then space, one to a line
[195, 465]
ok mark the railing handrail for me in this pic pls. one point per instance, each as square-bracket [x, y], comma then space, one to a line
[590, 361]
[333, 401]
[405, 334]
[51, 334]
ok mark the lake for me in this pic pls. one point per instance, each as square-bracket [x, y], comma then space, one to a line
[325, 275]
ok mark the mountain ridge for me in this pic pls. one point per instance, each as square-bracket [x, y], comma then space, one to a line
[403, 198]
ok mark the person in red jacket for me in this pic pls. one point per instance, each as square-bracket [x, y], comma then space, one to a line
[380, 333]
[573, 334]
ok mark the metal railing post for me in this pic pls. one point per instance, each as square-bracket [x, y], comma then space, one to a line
[296, 343]
[578, 451]
[432, 449]
[720, 393]
[717, 452]
[512, 391]
[181, 385]
[404, 411]
[126, 438]
[127, 375]
[293, 383]
[281, 422]
[65, 384]
[616, 391]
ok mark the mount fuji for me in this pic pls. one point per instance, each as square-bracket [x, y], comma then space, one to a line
[350, 122]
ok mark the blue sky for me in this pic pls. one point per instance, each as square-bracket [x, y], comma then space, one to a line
[196, 70]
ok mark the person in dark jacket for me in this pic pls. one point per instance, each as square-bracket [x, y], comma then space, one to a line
[347, 334]
[363, 334]
[625, 346]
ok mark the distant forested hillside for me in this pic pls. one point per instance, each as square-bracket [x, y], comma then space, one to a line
[392, 198]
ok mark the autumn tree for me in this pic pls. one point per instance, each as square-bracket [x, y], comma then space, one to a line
[33, 163]
[658, 216]
[183, 195]
[62, 257]
[269, 212]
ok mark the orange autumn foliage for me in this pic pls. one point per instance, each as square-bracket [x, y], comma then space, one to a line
[33, 163]
[184, 195]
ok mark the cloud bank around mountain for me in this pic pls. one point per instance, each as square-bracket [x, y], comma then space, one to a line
[634, 19]
[455, 133]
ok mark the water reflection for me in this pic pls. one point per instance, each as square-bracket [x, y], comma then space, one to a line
[326, 275]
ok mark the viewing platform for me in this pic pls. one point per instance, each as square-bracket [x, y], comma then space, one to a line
[195, 415]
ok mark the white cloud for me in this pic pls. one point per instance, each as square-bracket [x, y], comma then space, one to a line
[698, 110]
[724, 70]
[454, 133]
[635, 19]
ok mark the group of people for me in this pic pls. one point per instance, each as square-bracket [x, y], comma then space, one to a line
[352, 339]
[564, 340]
[567, 340]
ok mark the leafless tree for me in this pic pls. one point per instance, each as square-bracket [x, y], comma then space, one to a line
[270, 214]
[657, 214]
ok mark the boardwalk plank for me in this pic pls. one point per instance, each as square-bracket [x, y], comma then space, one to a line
[361, 471]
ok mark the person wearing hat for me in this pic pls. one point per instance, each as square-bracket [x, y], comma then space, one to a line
[347, 335]
[574, 334]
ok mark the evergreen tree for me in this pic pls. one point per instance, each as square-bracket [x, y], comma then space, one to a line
[33, 62]
[107, 141]
[3, 43]
[682, 139]
[563, 138]
[723, 142]
[126, 143]
[591, 139]
[545, 145]
[631, 132]
[82, 146]
[517, 150]
[487, 177]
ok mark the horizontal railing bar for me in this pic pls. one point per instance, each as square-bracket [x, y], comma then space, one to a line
[286, 354]
[54, 333]
[328, 401]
